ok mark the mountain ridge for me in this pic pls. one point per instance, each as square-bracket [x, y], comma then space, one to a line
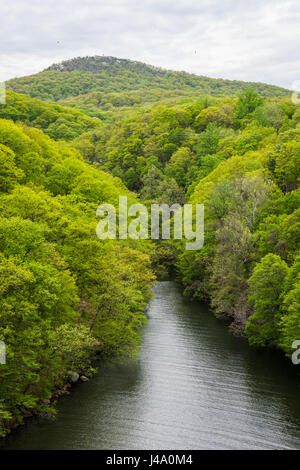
[82, 75]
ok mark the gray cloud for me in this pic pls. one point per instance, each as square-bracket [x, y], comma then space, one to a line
[233, 39]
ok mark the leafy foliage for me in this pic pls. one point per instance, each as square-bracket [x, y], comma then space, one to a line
[66, 297]
[108, 81]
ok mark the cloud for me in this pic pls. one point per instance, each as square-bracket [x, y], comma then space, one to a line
[240, 40]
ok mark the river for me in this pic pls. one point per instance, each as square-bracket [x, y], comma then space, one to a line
[196, 386]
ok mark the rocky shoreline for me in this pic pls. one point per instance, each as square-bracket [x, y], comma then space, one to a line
[74, 377]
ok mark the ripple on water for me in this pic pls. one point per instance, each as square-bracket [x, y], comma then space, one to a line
[196, 386]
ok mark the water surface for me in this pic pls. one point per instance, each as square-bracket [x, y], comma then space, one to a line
[196, 386]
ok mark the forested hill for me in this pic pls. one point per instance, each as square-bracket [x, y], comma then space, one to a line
[83, 75]
[67, 297]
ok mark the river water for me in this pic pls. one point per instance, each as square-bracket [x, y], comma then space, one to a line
[196, 386]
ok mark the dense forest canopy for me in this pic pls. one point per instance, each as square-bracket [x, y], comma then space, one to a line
[155, 136]
[64, 296]
[98, 85]
[59, 122]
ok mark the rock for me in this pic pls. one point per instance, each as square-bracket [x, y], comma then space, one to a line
[83, 378]
[74, 376]
[60, 393]
[25, 413]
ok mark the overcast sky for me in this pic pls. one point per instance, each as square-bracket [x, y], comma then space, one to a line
[255, 40]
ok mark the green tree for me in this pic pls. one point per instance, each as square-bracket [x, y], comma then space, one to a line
[266, 287]
[151, 181]
[290, 320]
[179, 165]
[9, 173]
[208, 141]
[247, 102]
[230, 271]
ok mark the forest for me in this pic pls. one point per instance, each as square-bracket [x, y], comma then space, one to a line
[85, 131]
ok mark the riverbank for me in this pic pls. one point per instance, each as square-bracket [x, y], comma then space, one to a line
[196, 386]
[25, 414]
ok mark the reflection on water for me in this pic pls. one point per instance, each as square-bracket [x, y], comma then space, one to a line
[196, 387]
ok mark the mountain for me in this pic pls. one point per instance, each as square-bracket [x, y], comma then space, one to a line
[96, 84]
[167, 137]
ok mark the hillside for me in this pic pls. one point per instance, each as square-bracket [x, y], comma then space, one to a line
[56, 121]
[97, 84]
[62, 289]
[64, 297]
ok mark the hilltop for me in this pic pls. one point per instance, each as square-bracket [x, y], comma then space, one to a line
[98, 84]
[167, 137]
